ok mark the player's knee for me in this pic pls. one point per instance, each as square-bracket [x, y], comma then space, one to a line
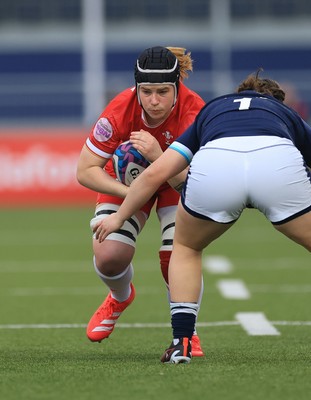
[112, 263]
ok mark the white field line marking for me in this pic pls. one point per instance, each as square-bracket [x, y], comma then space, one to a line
[146, 325]
[76, 291]
[273, 264]
[256, 324]
[217, 264]
[137, 325]
[86, 266]
[44, 266]
[45, 238]
[284, 288]
[56, 291]
[95, 290]
[233, 289]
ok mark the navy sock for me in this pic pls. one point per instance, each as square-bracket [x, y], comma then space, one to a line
[183, 325]
[183, 319]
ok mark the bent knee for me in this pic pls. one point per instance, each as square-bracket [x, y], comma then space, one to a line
[112, 259]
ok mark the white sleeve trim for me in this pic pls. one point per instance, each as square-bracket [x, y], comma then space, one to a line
[182, 150]
[96, 150]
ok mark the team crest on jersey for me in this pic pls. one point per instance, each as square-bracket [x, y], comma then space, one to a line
[102, 130]
[168, 136]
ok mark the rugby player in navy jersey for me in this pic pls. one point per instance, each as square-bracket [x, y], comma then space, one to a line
[245, 149]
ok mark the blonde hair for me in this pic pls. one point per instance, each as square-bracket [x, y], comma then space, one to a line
[184, 59]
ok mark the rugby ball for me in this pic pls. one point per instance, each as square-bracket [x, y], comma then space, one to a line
[128, 163]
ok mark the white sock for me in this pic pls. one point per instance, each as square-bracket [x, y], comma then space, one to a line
[119, 285]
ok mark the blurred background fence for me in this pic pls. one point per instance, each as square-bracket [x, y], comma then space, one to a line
[61, 61]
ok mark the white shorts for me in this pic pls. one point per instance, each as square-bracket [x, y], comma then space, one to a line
[263, 172]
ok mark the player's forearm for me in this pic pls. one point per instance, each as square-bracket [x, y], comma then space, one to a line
[170, 165]
[98, 180]
[140, 191]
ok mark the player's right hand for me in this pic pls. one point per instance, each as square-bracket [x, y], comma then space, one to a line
[106, 226]
[146, 144]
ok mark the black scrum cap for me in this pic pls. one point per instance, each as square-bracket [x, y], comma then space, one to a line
[157, 65]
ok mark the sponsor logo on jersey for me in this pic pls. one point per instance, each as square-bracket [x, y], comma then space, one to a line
[102, 130]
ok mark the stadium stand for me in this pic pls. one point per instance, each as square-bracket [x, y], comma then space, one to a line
[41, 60]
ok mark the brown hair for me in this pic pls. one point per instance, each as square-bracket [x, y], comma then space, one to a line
[262, 85]
[184, 59]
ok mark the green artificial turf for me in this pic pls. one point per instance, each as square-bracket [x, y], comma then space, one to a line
[49, 290]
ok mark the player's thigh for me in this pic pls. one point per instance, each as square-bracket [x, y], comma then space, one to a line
[130, 229]
[196, 233]
[298, 229]
[118, 249]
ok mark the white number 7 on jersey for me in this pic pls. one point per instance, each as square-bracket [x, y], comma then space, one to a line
[244, 103]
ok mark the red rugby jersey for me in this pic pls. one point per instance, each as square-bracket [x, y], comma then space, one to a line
[123, 115]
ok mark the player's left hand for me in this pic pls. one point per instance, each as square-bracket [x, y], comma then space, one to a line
[106, 226]
[146, 144]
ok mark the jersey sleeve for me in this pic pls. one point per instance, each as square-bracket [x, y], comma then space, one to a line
[188, 143]
[103, 139]
[183, 150]
[112, 127]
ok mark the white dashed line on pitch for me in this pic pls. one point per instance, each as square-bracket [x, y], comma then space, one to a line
[256, 324]
[233, 289]
[217, 264]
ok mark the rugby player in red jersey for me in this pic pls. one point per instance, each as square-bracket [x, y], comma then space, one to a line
[152, 114]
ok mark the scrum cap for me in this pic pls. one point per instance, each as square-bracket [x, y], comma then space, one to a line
[157, 65]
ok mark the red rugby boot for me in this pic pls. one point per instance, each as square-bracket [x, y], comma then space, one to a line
[103, 321]
[196, 347]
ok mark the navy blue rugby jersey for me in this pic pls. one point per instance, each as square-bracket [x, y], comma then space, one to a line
[245, 114]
